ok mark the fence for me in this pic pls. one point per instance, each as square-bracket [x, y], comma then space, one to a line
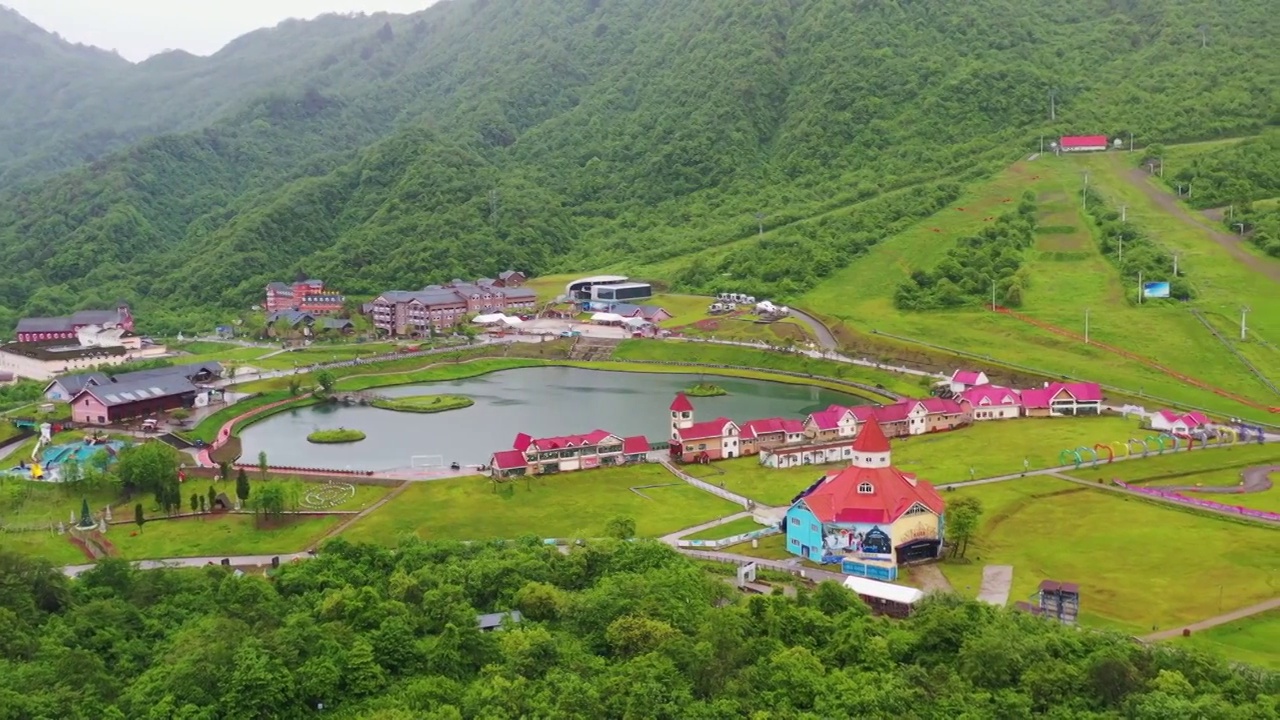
[726, 542]
[1206, 504]
[873, 389]
[708, 487]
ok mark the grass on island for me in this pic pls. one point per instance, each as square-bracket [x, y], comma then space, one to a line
[740, 526]
[335, 436]
[567, 505]
[1063, 284]
[1254, 640]
[424, 403]
[1140, 565]
[705, 390]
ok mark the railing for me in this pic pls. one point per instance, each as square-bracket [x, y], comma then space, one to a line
[708, 487]
[726, 542]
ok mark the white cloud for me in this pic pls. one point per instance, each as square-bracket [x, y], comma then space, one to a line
[138, 29]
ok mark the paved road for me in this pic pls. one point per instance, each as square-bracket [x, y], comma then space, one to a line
[825, 339]
[996, 583]
[1252, 480]
[236, 561]
[1223, 619]
[671, 538]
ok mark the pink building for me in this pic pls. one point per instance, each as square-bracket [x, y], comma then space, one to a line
[66, 328]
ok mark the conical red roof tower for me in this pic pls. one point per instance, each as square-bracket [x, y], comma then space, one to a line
[681, 404]
[871, 439]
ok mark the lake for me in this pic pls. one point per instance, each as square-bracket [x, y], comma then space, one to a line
[540, 401]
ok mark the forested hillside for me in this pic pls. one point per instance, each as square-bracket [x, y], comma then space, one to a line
[478, 135]
[612, 630]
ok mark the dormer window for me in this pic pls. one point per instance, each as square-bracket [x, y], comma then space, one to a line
[865, 488]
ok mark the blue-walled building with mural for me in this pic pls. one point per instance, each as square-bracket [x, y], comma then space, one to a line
[870, 518]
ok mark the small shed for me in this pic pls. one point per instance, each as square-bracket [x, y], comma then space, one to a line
[885, 598]
[495, 621]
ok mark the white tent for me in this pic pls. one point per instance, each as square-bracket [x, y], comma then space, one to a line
[766, 307]
[606, 318]
[636, 322]
[509, 320]
[490, 319]
[883, 590]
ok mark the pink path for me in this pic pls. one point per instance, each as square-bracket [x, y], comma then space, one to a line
[224, 433]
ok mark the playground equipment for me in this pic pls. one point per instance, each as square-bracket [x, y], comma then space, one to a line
[1111, 454]
[1251, 431]
[1146, 449]
[1227, 435]
[1077, 456]
[1159, 441]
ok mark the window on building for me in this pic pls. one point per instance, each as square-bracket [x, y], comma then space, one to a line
[795, 541]
[865, 488]
[813, 527]
[795, 521]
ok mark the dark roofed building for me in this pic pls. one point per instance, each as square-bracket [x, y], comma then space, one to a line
[113, 402]
[39, 329]
[68, 386]
[401, 312]
[495, 621]
[309, 295]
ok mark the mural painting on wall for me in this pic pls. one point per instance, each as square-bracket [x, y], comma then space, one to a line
[860, 540]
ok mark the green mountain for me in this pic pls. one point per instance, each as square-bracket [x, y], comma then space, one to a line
[478, 135]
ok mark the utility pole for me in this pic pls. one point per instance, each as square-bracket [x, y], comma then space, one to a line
[1124, 213]
[1241, 226]
[1086, 326]
[1120, 260]
[1231, 213]
[1244, 328]
[993, 295]
[1161, 166]
[1175, 264]
[1204, 36]
[1130, 142]
[1139, 287]
[493, 206]
[1053, 108]
[760, 221]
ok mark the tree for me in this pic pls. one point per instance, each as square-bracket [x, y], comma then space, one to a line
[270, 502]
[195, 502]
[621, 527]
[180, 414]
[964, 515]
[213, 497]
[224, 472]
[149, 467]
[203, 507]
[263, 465]
[295, 386]
[138, 516]
[326, 380]
[242, 486]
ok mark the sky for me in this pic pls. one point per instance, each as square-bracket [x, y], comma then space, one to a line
[138, 29]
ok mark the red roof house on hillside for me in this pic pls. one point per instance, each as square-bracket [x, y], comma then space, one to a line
[1176, 423]
[991, 402]
[1082, 143]
[870, 517]
[1059, 399]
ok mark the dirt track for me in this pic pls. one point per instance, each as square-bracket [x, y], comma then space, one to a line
[1229, 242]
[1252, 480]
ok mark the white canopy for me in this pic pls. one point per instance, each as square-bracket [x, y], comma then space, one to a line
[766, 306]
[489, 319]
[636, 322]
[509, 320]
[605, 317]
[883, 590]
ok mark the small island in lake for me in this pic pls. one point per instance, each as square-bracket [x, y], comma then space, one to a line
[341, 435]
[424, 403]
[705, 390]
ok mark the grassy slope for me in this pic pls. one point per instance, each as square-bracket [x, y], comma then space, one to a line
[729, 529]
[572, 505]
[215, 536]
[861, 296]
[1254, 640]
[1139, 565]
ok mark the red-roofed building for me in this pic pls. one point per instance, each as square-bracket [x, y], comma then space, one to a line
[870, 518]
[1062, 399]
[544, 456]
[991, 402]
[1082, 143]
[1176, 423]
[769, 433]
[962, 380]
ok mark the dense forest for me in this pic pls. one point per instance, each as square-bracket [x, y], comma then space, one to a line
[611, 630]
[476, 135]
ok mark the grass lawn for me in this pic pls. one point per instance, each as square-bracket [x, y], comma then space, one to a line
[222, 535]
[1254, 640]
[56, 549]
[1218, 467]
[773, 547]
[1067, 275]
[676, 351]
[323, 354]
[569, 505]
[1139, 565]
[998, 447]
[727, 530]
[769, 486]
[207, 429]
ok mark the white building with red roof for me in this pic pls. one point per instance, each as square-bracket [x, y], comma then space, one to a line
[544, 456]
[1062, 400]
[991, 402]
[870, 518]
[1176, 423]
[962, 380]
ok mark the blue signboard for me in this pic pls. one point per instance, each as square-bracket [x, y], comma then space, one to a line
[1155, 290]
